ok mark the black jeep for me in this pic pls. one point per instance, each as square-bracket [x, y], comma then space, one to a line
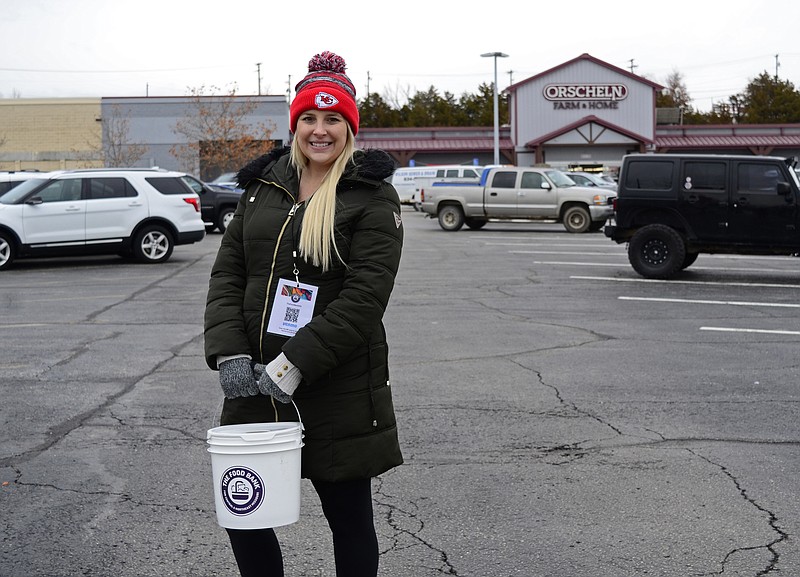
[672, 207]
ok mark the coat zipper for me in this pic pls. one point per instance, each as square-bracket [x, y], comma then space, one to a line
[286, 222]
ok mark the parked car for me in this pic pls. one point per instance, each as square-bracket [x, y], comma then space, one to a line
[672, 207]
[217, 203]
[405, 179]
[516, 193]
[226, 179]
[10, 179]
[139, 213]
[589, 179]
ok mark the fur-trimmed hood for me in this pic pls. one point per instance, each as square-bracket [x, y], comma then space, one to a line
[371, 164]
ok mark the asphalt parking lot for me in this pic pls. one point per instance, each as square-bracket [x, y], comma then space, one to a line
[559, 415]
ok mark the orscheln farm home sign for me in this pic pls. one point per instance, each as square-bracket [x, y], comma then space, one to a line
[572, 96]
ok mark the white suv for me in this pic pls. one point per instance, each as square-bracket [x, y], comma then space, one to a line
[11, 178]
[143, 213]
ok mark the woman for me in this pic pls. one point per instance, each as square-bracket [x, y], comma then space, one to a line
[294, 312]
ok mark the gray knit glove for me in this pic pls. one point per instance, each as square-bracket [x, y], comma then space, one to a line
[268, 387]
[237, 379]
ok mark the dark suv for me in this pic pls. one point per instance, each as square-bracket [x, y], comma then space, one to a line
[672, 207]
[217, 203]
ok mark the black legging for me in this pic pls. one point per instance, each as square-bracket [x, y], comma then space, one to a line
[347, 507]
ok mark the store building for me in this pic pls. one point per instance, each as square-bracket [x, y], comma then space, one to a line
[582, 112]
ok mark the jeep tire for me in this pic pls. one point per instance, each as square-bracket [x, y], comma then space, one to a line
[657, 251]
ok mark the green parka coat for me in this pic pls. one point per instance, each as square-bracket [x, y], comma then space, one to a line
[344, 398]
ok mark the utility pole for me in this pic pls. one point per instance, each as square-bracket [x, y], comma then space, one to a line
[777, 65]
[288, 106]
[510, 77]
[632, 65]
[258, 68]
[368, 79]
[495, 56]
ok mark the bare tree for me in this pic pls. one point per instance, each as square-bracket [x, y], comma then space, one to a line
[398, 96]
[117, 150]
[676, 93]
[218, 136]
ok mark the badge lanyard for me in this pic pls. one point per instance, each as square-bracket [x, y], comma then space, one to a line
[295, 270]
[293, 305]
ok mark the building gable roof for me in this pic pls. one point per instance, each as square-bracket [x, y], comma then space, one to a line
[514, 87]
[582, 122]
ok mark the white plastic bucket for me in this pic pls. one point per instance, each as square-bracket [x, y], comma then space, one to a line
[256, 470]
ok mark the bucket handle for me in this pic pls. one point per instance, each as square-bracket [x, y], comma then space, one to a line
[269, 435]
[299, 418]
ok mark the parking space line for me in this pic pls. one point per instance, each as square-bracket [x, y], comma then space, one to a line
[580, 253]
[577, 263]
[735, 330]
[710, 302]
[539, 244]
[723, 268]
[691, 282]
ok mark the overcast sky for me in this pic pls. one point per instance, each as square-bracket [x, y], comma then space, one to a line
[80, 48]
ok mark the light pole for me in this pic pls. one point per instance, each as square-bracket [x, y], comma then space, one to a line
[496, 55]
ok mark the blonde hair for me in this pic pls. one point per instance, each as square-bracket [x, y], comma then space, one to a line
[317, 240]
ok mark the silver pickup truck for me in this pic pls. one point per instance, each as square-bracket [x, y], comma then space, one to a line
[516, 193]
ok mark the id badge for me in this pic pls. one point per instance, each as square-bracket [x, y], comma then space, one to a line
[292, 308]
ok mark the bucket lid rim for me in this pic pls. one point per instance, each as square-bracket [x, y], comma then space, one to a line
[237, 430]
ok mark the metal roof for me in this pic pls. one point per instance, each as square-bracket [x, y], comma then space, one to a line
[434, 145]
[687, 137]
[729, 141]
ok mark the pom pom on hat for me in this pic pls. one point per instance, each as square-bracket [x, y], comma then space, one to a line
[327, 61]
[325, 87]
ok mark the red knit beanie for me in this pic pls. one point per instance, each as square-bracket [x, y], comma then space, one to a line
[325, 87]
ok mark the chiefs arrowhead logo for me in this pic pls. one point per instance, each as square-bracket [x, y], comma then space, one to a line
[325, 100]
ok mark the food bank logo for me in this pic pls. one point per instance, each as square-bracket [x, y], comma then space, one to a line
[242, 490]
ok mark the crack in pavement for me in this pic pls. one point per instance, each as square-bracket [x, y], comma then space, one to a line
[58, 432]
[121, 497]
[565, 403]
[772, 520]
[392, 518]
[573, 450]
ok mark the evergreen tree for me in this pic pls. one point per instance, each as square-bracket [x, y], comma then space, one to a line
[478, 108]
[375, 112]
[769, 100]
[766, 100]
